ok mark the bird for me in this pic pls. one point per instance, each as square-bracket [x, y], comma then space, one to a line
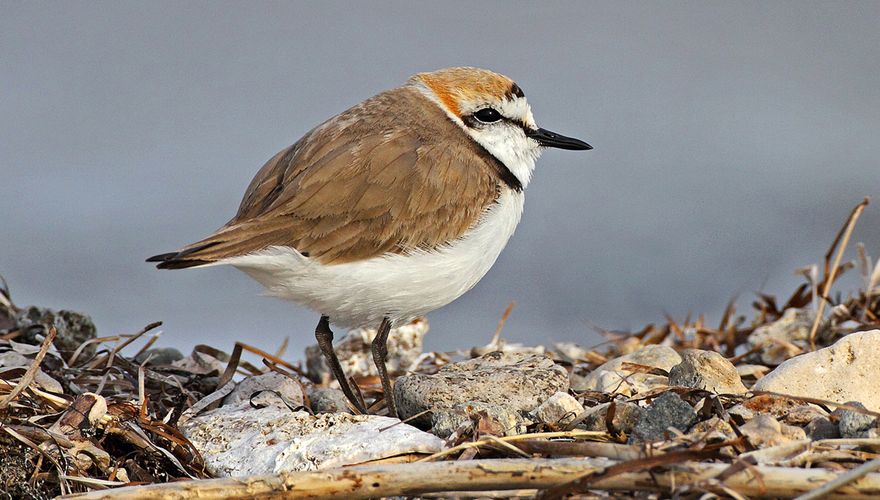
[388, 210]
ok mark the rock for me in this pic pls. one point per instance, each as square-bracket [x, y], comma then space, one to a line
[712, 430]
[848, 370]
[73, 329]
[666, 411]
[740, 413]
[764, 431]
[559, 410]
[200, 363]
[159, 356]
[514, 381]
[507, 347]
[822, 428]
[706, 370]
[852, 424]
[488, 418]
[793, 432]
[353, 350]
[571, 352]
[776, 406]
[626, 416]
[242, 441]
[614, 377]
[752, 371]
[793, 328]
[268, 389]
[327, 400]
[802, 415]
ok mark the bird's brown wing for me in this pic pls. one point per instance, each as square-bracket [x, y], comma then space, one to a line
[390, 175]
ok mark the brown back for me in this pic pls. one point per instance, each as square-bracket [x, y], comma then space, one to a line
[389, 175]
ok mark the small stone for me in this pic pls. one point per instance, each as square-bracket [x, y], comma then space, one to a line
[327, 400]
[764, 431]
[514, 381]
[793, 432]
[614, 377]
[571, 351]
[777, 338]
[776, 406]
[73, 329]
[706, 370]
[200, 363]
[852, 424]
[626, 416]
[848, 370]
[803, 414]
[268, 389]
[712, 430]
[356, 358]
[159, 356]
[488, 418]
[559, 410]
[822, 428]
[740, 413]
[666, 411]
[752, 371]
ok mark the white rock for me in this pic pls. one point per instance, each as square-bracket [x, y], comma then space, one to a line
[613, 377]
[241, 441]
[560, 409]
[846, 371]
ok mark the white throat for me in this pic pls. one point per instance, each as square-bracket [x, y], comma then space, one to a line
[511, 147]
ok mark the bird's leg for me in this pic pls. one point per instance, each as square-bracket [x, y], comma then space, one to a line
[325, 342]
[380, 352]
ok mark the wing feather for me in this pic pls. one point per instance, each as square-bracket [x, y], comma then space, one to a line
[387, 176]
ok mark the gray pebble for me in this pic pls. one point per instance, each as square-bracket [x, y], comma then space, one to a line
[666, 411]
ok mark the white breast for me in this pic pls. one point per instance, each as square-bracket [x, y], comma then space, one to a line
[358, 294]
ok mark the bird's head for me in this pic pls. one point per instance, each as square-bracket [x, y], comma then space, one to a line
[493, 110]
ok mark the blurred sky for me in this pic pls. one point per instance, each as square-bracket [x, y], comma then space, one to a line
[731, 140]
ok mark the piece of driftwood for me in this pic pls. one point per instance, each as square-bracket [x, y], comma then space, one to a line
[375, 481]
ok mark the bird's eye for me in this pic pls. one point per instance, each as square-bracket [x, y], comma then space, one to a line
[487, 115]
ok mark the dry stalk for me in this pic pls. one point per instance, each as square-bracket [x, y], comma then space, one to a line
[373, 481]
[832, 273]
[31, 372]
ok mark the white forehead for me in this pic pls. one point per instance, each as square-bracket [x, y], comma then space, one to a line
[517, 108]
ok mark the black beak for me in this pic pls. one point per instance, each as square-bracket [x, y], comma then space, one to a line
[553, 140]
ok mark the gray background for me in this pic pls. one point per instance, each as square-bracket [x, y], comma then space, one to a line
[731, 138]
